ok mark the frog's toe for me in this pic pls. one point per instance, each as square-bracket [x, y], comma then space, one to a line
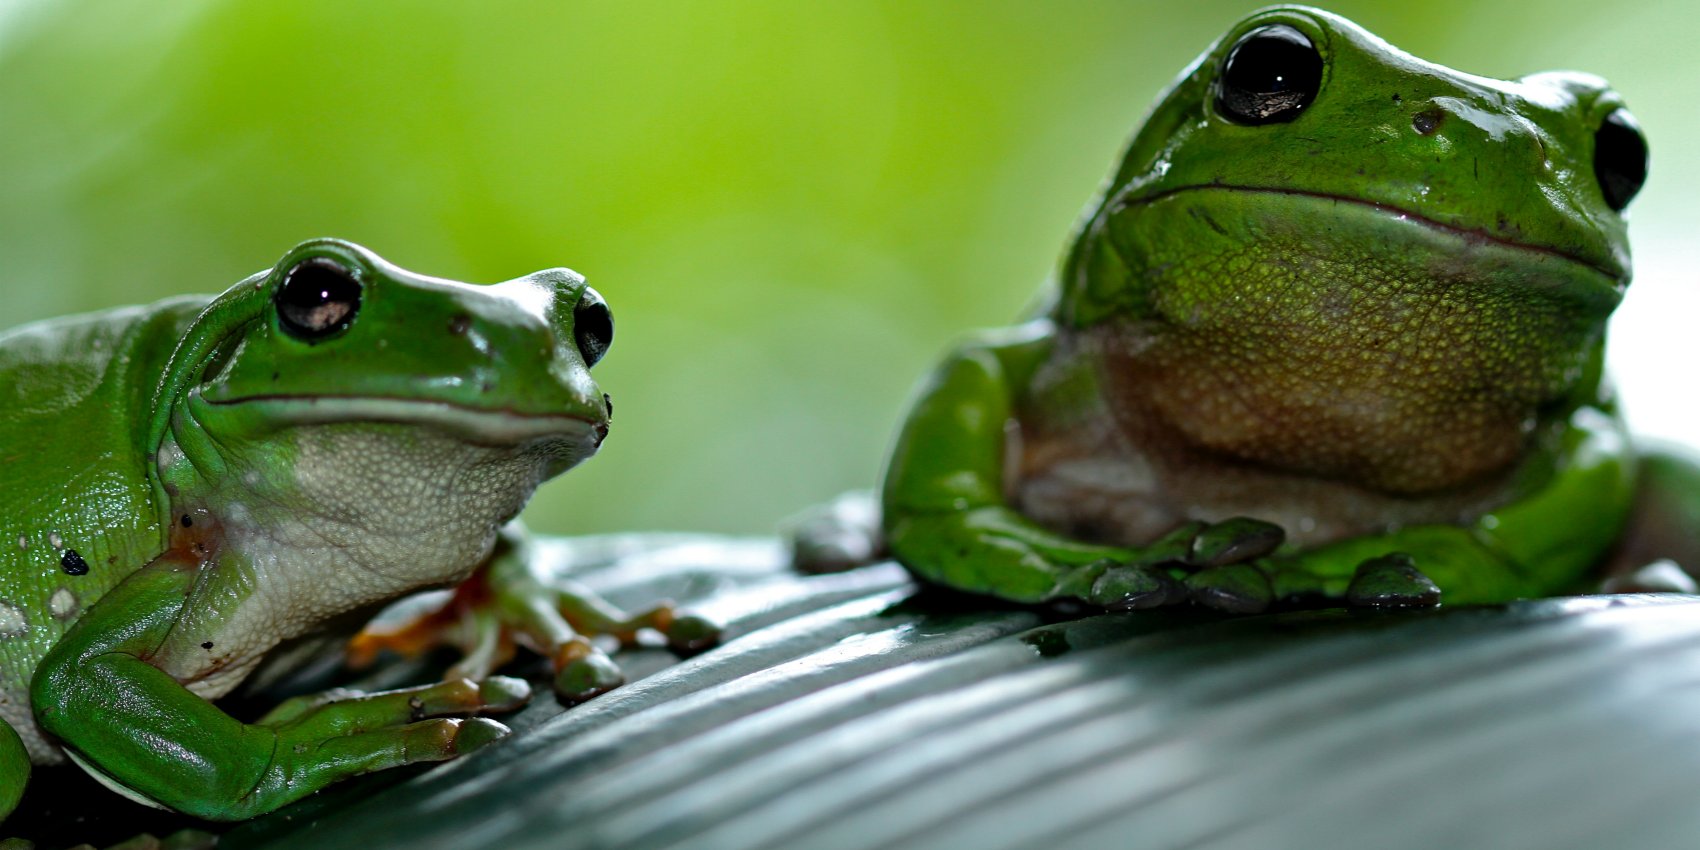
[1234, 588]
[1235, 540]
[1126, 588]
[690, 634]
[476, 733]
[1392, 581]
[584, 672]
[503, 693]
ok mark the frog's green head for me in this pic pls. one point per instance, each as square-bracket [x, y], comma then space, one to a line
[1295, 112]
[333, 334]
[1339, 238]
[342, 430]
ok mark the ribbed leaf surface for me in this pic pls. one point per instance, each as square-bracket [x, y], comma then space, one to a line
[847, 712]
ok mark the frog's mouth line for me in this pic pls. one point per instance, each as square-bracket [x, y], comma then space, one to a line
[1468, 234]
[481, 425]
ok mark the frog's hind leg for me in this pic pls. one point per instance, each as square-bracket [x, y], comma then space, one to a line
[507, 603]
[557, 618]
[1664, 526]
[14, 769]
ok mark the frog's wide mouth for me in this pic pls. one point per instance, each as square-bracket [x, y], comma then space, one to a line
[1606, 268]
[478, 425]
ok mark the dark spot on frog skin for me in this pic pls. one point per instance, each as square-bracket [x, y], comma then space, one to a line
[187, 521]
[206, 644]
[1428, 121]
[275, 375]
[460, 324]
[1397, 98]
[73, 563]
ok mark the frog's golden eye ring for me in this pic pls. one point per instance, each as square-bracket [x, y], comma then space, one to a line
[593, 326]
[1270, 76]
[1620, 158]
[318, 299]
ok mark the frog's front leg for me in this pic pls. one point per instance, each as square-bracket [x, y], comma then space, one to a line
[1545, 543]
[945, 517]
[1414, 567]
[508, 603]
[102, 691]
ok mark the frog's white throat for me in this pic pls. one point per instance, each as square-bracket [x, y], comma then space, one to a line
[325, 519]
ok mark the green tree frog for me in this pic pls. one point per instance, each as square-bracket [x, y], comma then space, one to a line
[1332, 332]
[191, 485]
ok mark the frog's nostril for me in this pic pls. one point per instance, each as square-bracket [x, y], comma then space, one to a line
[601, 433]
[608, 406]
[1428, 121]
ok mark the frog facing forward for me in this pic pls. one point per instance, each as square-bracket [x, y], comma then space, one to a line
[191, 484]
[1333, 331]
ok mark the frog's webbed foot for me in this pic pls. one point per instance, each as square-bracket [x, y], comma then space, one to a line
[1128, 587]
[1232, 588]
[1210, 564]
[837, 536]
[504, 606]
[1392, 580]
[343, 712]
[559, 629]
[1226, 567]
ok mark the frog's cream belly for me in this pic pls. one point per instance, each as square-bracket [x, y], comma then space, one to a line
[1104, 490]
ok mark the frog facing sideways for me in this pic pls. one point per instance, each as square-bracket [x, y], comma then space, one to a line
[191, 484]
[1332, 333]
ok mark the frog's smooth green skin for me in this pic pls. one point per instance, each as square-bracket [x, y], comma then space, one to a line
[1333, 288]
[191, 484]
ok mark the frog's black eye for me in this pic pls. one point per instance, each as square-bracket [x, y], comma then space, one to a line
[318, 299]
[1269, 77]
[593, 326]
[1620, 158]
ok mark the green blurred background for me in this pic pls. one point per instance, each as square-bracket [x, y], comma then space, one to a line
[791, 206]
